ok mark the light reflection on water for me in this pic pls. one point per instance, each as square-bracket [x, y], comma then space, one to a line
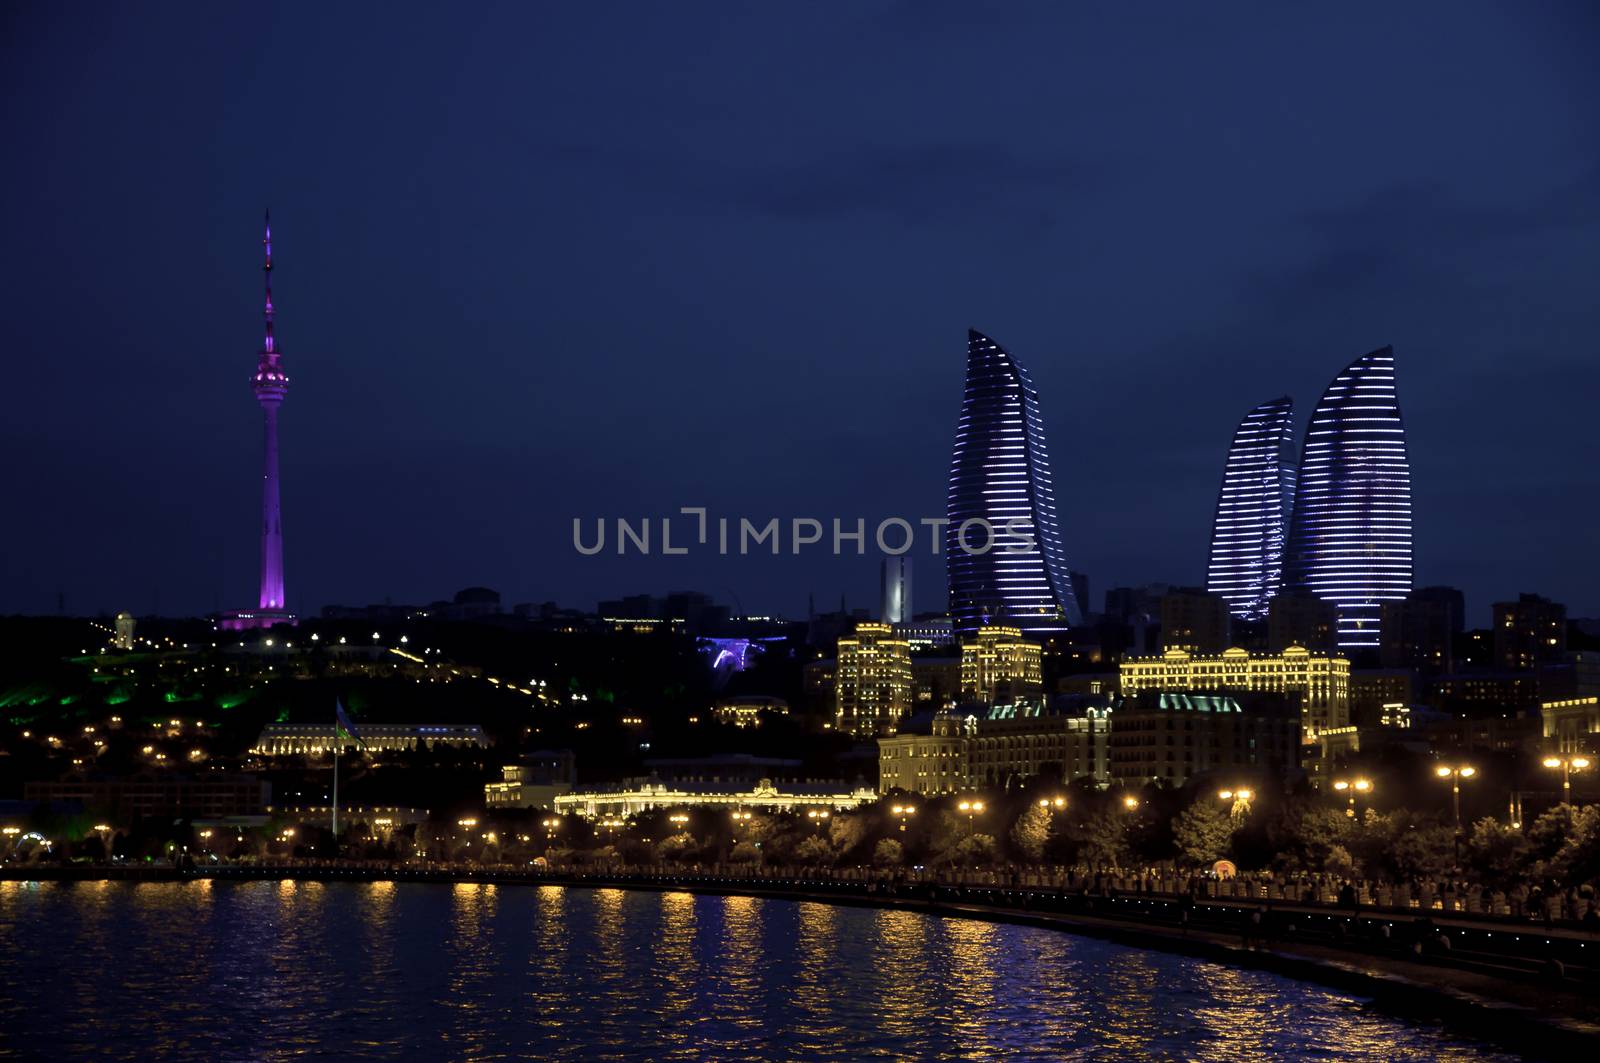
[270, 970]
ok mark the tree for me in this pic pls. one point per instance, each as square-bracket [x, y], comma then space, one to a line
[678, 846]
[1548, 833]
[974, 850]
[1320, 831]
[888, 853]
[1423, 852]
[847, 832]
[813, 850]
[947, 831]
[744, 853]
[1202, 833]
[1031, 833]
[1578, 859]
[1339, 862]
[1497, 853]
[1105, 840]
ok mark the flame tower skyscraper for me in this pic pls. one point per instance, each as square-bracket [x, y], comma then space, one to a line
[1350, 538]
[1253, 506]
[1000, 474]
[270, 384]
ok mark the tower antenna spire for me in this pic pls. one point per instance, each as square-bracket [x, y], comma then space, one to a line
[266, 245]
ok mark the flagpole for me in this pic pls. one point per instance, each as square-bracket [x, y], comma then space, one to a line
[337, 743]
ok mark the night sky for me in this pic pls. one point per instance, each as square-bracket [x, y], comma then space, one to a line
[542, 261]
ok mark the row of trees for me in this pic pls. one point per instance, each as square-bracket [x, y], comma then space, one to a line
[1072, 826]
[1077, 826]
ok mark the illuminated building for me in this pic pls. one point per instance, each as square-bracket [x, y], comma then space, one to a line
[1350, 538]
[1000, 473]
[633, 796]
[1251, 523]
[1000, 667]
[1323, 683]
[1373, 690]
[896, 587]
[928, 633]
[872, 680]
[1486, 693]
[929, 757]
[1529, 632]
[535, 782]
[1171, 737]
[1195, 621]
[1066, 740]
[270, 384]
[315, 739]
[953, 752]
[1572, 725]
[748, 710]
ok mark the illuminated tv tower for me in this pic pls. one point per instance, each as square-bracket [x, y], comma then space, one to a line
[270, 384]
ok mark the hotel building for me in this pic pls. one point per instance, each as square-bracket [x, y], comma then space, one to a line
[872, 680]
[999, 666]
[952, 752]
[1322, 682]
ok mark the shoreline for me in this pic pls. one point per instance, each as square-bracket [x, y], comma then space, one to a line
[1542, 1018]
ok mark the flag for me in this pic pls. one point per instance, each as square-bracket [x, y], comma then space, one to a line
[342, 727]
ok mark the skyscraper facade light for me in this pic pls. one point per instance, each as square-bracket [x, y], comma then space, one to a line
[1251, 525]
[1000, 474]
[1350, 538]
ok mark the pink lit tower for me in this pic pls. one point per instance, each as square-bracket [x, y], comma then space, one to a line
[271, 384]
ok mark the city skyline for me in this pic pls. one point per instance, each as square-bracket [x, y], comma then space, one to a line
[651, 632]
[790, 287]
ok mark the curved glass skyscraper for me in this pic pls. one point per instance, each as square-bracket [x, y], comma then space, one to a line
[1000, 473]
[1350, 539]
[1251, 526]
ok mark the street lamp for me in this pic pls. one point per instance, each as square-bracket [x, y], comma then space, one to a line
[1058, 802]
[1130, 802]
[1455, 773]
[900, 812]
[1568, 765]
[551, 825]
[1351, 787]
[819, 816]
[1241, 801]
[739, 817]
[970, 807]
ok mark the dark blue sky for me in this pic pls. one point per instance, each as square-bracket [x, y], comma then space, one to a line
[541, 261]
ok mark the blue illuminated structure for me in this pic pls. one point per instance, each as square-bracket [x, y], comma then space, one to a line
[1350, 539]
[1000, 473]
[1251, 524]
